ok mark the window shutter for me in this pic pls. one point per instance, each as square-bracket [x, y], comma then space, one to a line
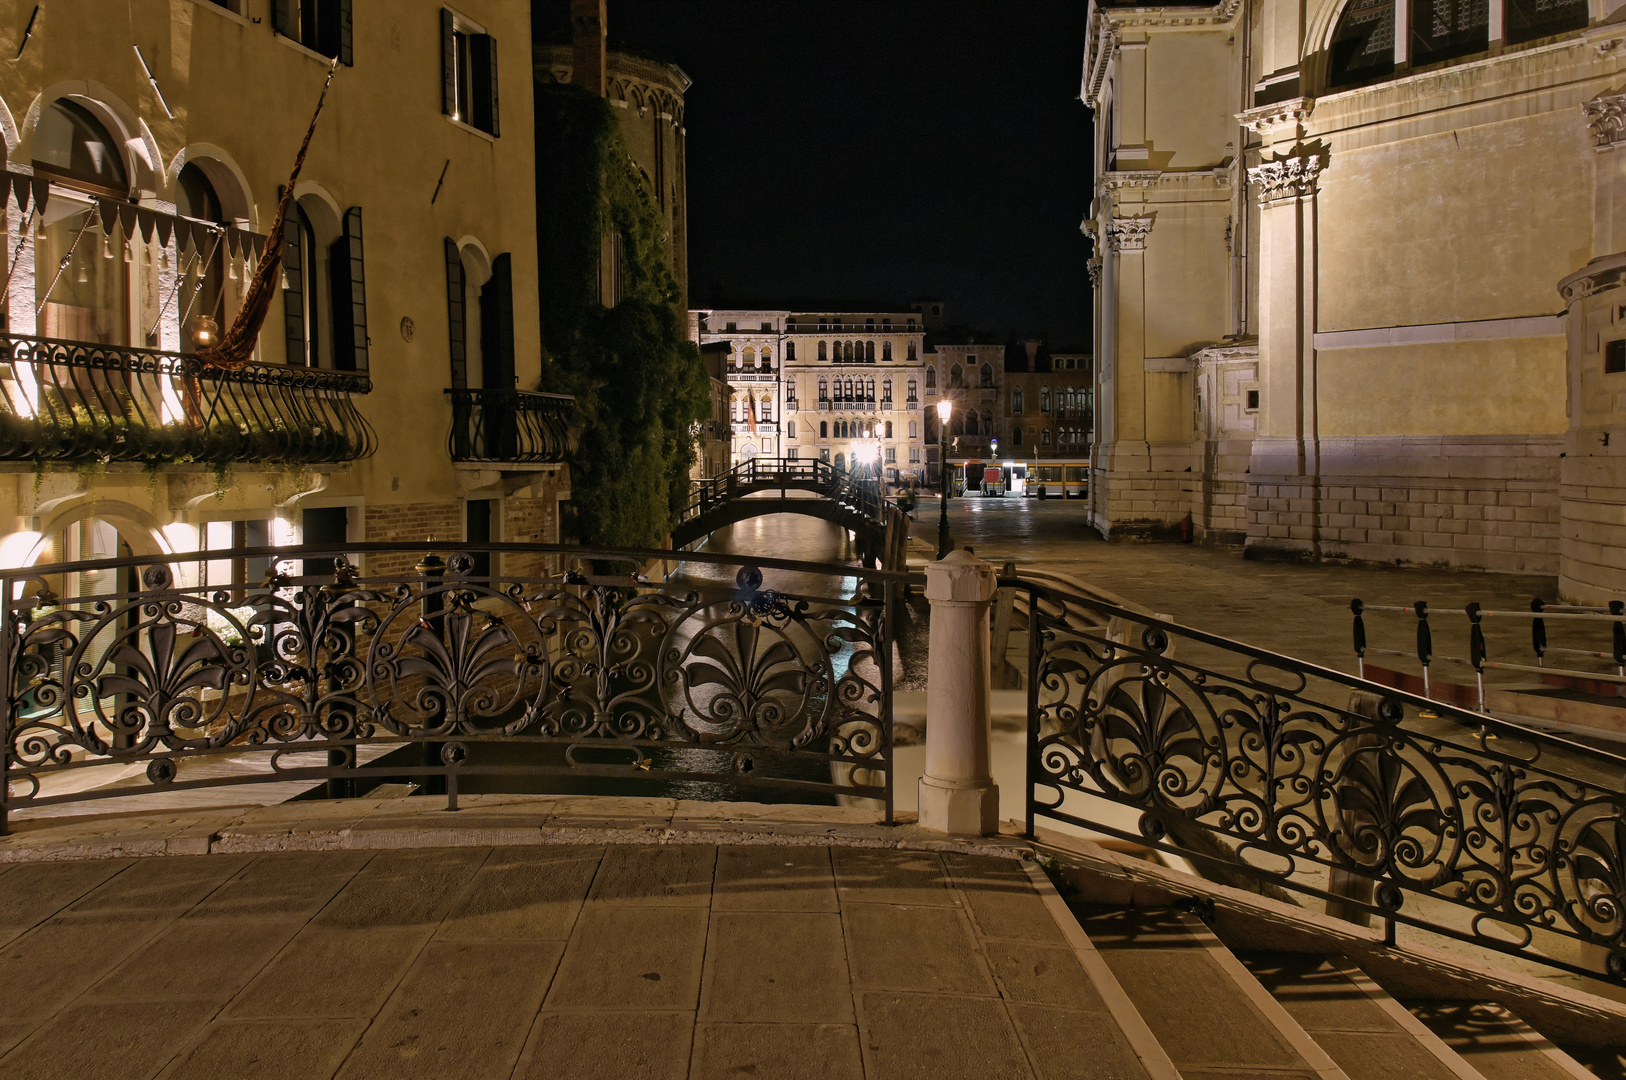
[349, 296]
[282, 18]
[484, 90]
[347, 50]
[456, 316]
[293, 297]
[448, 65]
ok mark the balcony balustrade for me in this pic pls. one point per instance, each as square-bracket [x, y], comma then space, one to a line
[74, 401]
[509, 426]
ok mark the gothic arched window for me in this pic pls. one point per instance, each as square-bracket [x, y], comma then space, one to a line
[1016, 400]
[886, 350]
[931, 378]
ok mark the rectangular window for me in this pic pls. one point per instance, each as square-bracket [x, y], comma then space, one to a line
[790, 429]
[322, 26]
[791, 453]
[730, 328]
[824, 454]
[468, 61]
[891, 456]
[1253, 400]
[1614, 358]
[767, 328]
[914, 455]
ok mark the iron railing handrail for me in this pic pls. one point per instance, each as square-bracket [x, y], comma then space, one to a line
[77, 401]
[439, 668]
[634, 557]
[1250, 766]
[842, 487]
[508, 426]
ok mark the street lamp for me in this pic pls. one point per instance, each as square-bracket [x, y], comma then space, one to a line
[944, 408]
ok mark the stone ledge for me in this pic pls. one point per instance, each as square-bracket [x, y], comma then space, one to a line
[482, 821]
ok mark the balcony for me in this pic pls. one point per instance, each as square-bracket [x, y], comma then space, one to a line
[75, 401]
[509, 427]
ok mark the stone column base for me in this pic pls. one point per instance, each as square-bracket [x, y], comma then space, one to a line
[958, 809]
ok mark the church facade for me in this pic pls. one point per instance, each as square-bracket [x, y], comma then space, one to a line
[1358, 280]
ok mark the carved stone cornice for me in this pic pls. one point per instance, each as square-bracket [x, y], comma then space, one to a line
[1267, 118]
[1599, 275]
[1292, 175]
[1119, 179]
[1606, 120]
[1130, 233]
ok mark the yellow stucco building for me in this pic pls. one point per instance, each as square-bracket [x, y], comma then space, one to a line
[389, 399]
[1357, 282]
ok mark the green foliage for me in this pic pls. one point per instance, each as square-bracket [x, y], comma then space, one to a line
[640, 386]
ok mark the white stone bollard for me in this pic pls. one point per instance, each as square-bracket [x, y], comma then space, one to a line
[958, 794]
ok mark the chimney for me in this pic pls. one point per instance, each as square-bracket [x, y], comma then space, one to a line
[588, 28]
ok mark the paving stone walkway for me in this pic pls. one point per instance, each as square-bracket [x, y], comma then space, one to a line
[546, 960]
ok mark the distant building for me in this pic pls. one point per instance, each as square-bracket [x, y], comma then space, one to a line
[1050, 413]
[812, 384]
[969, 366]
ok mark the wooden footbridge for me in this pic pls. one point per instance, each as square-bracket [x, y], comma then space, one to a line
[783, 486]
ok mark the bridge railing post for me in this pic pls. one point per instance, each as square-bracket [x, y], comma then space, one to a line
[958, 794]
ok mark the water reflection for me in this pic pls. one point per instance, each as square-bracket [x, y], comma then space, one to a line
[782, 536]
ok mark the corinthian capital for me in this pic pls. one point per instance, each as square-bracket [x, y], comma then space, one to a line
[1290, 175]
[1606, 120]
[1130, 233]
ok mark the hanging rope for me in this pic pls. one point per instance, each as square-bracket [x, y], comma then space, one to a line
[62, 267]
[236, 346]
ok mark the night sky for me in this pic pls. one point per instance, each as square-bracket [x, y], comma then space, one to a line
[883, 149]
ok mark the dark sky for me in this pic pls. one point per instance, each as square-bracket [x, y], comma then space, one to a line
[884, 149]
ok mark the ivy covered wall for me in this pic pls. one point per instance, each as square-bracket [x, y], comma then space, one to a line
[640, 386]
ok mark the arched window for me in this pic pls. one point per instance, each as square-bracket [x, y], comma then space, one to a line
[914, 393]
[841, 463]
[1016, 401]
[911, 350]
[987, 375]
[931, 377]
[1044, 399]
[83, 296]
[847, 351]
[1044, 437]
[748, 358]
[869, 390]
[886, 350]
[1016, 436]
[790, 393]
[968, 424]
[1365, 47]
[888, 429]
[71, 143]
[849, 386]
[824, 429]
[987, 422]
[824, 389]
[886, 389]
[206, 298]
[956, 376]
[914, 429]
[869, 351]
[790, 429]
[766, 415]
[822, 354]
[790, 352]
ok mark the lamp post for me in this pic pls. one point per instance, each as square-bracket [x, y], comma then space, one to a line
[944, 408]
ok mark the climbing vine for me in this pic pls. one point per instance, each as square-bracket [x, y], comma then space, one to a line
[640, 386]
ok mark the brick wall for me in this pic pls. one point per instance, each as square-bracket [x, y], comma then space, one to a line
[406, 523]
[529, 521]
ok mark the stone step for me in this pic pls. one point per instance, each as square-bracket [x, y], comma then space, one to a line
[1496, 1042]
[1211, 1016]
[1368, 1033]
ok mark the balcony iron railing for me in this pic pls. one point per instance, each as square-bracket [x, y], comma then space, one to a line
[509, 426]
[73, 401]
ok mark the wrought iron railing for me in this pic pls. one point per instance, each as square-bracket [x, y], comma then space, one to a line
[691, 687]
[72, 401]
[861, 494]
[1252, 763]
[509, 426]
